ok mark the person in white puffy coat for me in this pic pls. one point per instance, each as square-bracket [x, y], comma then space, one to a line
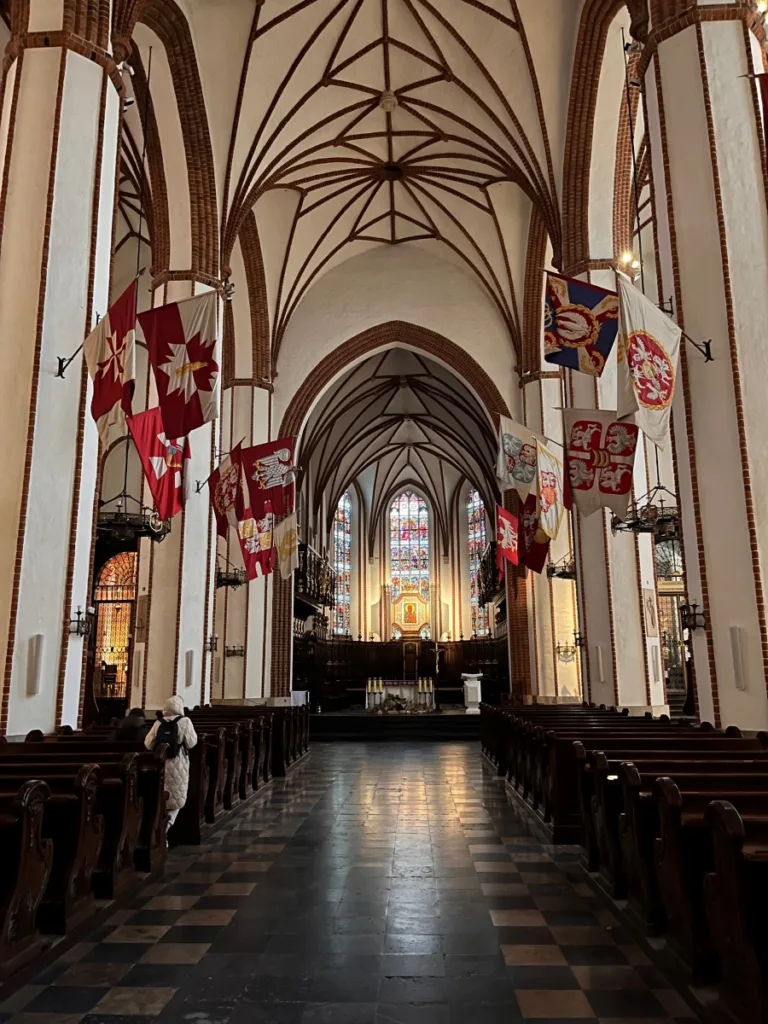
[176, 768]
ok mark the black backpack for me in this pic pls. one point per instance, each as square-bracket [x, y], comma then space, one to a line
[168, 733]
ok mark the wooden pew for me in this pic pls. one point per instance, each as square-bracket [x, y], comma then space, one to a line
[76, 830]
[118, 804]
[287, 726]
[149, 846]
[684, 854]
[25, 868]
[736, 902]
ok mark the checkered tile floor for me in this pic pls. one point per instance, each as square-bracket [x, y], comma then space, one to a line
[378, 885]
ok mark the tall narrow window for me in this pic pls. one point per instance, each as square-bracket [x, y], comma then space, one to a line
[114, 597]
[477, 544]
[409, 543]
[342, 563]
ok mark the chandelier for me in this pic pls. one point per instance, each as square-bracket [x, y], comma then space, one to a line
[564, 569]
[651, 514]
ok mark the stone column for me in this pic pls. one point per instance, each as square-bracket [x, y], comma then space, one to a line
[180, 570]
[553, 601]
[708, 155]
[59, 129]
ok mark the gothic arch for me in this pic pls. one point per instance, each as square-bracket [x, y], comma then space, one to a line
[387, 335]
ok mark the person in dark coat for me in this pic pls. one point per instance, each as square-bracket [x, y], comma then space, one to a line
[132, 729]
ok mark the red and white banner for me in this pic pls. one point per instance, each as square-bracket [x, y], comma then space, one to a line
[164, 461]
[270, 477]
[255, 536]
[110, 355]
[225, 485]
[534, 545]
[648, 350]
[601, 455]
[182, 347]
[507, 538]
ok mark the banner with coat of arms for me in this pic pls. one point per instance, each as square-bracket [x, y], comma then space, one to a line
[580, 324]
[649, 347]
[516, 466]
[550, 490]
[600, 453]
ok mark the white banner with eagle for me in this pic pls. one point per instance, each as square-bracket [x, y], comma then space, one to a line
[516, 466]
[600, 452]
[648, 350]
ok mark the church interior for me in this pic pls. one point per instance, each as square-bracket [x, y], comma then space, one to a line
[384, 396]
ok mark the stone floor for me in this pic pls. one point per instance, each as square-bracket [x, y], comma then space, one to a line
[381, 884]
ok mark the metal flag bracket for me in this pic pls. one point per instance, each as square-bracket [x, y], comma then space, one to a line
[705, 347]
[65, 363]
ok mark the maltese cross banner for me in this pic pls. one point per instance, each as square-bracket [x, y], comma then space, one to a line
[181, 342]
[580, 324]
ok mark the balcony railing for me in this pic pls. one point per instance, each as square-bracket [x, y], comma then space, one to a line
[490, 580]
[315, 579]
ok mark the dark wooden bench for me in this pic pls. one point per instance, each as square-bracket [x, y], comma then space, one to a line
[118, 804]
[25, 867]
[76, 831]
[149, 850]
[736, 902]
[684, 854]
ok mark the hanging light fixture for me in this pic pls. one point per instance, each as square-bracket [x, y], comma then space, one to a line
[564, 569]
[651, 514]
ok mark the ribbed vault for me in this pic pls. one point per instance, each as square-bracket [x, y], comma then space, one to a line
[398, 419]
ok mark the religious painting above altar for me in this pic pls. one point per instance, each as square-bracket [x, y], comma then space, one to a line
[410, 611]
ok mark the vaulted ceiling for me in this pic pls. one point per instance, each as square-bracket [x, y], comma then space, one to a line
[369, 122]
[394, 420]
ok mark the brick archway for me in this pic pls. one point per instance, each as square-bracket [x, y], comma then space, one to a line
[392, 334]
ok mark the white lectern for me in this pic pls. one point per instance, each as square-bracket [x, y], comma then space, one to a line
[472, 692]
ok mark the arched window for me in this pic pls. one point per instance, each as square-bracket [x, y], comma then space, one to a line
[409, 543]
[342, 563]
[114, 597]
[477, 545]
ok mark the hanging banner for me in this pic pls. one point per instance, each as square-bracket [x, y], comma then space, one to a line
[649, 346]
[110, 355]
[580, 324]
[255, 536]
[550, 490]
[535, 542]
[506, 538]
[286, 543]
[270, 476]
[164, 462]
[182, 347]
[225, 485]
[516, 465]
[600, 455]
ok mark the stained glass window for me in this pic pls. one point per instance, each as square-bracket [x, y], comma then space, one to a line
[114, 595]
[477, 545]
[342, 563]
[409, 543]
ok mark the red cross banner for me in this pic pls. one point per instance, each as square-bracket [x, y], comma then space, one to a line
[110, 355]
[225, 485]
[270, 477]
[255, 536]
[506, 537]
[182, 346]
[648, 350]
[163, 461]
[601, 455]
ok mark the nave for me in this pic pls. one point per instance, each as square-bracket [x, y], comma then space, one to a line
[377, 884]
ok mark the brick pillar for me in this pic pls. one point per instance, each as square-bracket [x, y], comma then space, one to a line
[60, 114]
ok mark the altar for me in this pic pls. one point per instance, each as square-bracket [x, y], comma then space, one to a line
[377, 690]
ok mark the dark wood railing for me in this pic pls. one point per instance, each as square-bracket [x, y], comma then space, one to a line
[490, 580]
[315, 579]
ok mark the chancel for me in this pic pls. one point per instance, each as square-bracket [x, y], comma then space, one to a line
[382, 433]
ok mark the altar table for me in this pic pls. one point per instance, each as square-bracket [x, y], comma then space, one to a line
[407, 690]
